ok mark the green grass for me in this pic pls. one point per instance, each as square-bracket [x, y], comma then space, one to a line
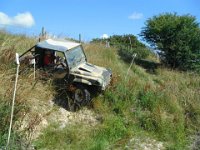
[157, 103]
[79, 135]
[164, 105]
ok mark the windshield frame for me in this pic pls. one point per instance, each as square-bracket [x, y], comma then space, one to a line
[76, 61]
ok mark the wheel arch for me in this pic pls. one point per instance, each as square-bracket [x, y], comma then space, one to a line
[82, 81]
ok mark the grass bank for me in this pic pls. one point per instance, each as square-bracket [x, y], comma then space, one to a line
[163, 106]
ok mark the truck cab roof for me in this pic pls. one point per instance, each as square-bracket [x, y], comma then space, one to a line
[57, 45]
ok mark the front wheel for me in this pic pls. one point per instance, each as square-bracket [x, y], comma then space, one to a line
[81, 95]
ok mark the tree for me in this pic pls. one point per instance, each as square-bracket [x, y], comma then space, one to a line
[177, 37]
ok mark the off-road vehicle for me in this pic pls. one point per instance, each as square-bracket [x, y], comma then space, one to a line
[69, 63]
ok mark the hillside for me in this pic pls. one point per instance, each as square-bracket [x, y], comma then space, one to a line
[143, 110]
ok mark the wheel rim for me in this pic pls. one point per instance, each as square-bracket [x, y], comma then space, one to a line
[79, 95]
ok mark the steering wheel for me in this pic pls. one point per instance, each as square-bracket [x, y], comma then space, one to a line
[60, 61]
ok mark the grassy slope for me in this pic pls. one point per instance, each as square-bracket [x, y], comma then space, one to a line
[164, 106]
[27, 92]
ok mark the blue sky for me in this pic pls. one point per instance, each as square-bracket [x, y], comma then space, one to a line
[90, 18]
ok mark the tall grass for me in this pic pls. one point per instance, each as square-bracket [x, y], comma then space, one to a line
[163, 105]
[27, 93]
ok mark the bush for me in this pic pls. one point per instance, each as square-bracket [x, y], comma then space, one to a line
[127, 45]
[127, 53]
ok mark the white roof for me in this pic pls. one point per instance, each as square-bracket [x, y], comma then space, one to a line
[58, 45]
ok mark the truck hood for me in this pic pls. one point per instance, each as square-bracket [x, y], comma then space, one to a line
[89, 72]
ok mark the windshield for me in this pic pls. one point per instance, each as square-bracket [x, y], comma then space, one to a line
[75, 57]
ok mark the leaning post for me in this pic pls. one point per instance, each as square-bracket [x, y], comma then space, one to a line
[13, 100]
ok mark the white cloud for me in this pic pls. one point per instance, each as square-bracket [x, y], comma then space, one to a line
[21, 19]
[136, 16]
[105, 36]
[4, 19]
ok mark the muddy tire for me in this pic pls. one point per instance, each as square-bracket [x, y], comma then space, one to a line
[81, 95]
[72, 106]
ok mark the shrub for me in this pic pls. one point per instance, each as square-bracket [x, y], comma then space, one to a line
[127, 45]
[127, 53]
